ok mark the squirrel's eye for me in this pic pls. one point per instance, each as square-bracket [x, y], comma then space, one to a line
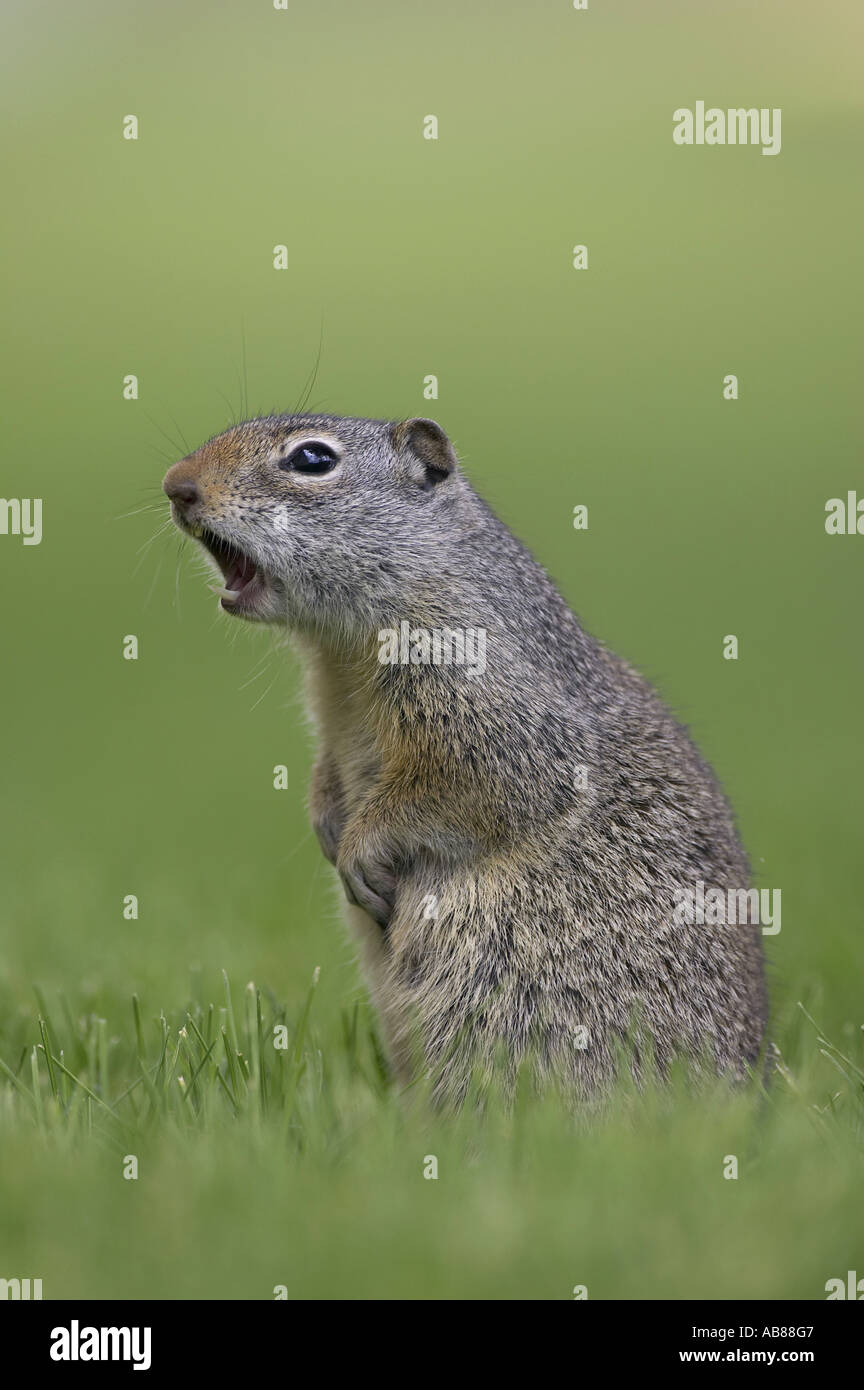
[310, 458]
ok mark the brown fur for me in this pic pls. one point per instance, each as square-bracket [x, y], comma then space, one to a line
[553, 903]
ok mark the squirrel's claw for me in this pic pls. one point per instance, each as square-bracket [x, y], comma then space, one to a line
[373, 890]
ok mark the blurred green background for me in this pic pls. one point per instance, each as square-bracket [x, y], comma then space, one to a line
[410, 257]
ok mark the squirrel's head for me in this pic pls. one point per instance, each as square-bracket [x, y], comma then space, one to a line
[320, 522]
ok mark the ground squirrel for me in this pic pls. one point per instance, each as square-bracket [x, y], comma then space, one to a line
[512, 832]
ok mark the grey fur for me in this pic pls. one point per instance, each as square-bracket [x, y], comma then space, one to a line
[553, 905]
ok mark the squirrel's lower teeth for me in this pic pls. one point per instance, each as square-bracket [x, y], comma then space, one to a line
[230, 594]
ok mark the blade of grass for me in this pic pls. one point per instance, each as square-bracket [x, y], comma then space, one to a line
[49, 1059]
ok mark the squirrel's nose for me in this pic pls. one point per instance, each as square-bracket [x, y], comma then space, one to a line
[182, 491]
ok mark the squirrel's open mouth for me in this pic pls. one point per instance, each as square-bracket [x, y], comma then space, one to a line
[243, 580]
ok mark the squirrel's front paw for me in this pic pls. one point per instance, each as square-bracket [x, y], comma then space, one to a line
[371, 886]
[328, 826]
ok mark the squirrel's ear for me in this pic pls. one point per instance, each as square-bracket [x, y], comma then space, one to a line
[429, 446]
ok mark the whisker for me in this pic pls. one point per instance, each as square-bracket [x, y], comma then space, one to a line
[244, 396]
[310, 383]
[136, 511]
[142, 550]
[180, 548]
[265, 693]
[232, 416]
[165, 435]
[155, 580]
[182, 437]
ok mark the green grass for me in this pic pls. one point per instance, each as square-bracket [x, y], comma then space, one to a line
[559, 388]
[300, 1167]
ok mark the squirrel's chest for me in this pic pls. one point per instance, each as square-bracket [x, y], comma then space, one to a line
[355, 754]
[343, 711]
